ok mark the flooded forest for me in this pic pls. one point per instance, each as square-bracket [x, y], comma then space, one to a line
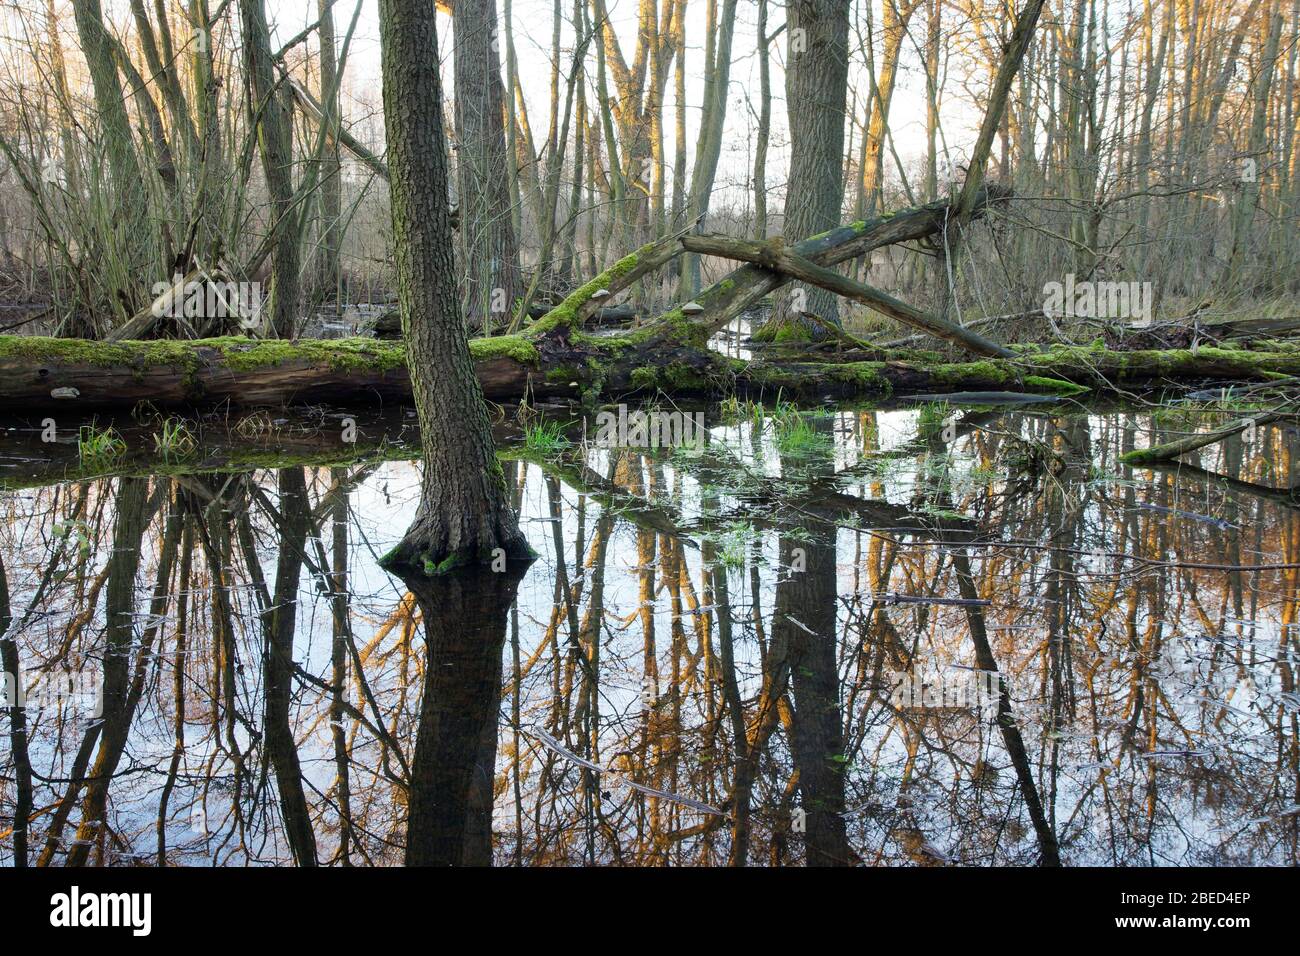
[649, 433]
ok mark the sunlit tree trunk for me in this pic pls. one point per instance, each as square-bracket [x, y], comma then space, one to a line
[894, 19]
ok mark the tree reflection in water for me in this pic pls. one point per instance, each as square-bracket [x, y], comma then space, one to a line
[449, 808]
[699, 669]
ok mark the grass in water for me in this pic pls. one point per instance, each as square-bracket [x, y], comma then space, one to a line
[174, 439]
[99, 448]
[545, 438]
[795, 435]
[734, 543]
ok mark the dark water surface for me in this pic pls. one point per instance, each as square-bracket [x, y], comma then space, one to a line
[706, 663]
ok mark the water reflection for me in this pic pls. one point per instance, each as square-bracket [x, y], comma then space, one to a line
[450, 795]
[702, 667]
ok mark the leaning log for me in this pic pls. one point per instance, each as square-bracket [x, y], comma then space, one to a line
[745, 287]
[775, 256]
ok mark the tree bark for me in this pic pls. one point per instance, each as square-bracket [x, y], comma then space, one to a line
[331, 191]
[275, 139]
[816, 84]
[490, 252]
[464, 513]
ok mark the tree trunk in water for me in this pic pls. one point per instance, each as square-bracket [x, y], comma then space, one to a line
[1049, 848]
[806, 610]
[464, 512]
[491, 255]
[17, 728]
[119, 635]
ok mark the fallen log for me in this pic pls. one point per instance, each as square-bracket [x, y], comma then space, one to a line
[388, 325]
[583, 302]
[38, 372]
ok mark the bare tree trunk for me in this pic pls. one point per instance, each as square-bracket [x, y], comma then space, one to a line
[1245, 214]
[491, 255]
[331, 191]
[114, 123]
[464, 513]
[764, 126]
[97, 47]
[816, 84]
[716, 79]
[895, 17]
[275, 137]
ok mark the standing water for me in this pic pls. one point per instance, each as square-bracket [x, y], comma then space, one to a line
[919, 635]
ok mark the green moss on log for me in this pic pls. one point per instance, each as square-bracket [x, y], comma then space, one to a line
[1055, 386]
[984, 372]
[38, 348]
[341, 355]
[566, 313]
[1140, 456]
[863, 376]
[673, 377]
[516, 347]
[235, 352]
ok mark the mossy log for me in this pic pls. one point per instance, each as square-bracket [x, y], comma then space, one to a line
[561, 363]
[744, 287]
